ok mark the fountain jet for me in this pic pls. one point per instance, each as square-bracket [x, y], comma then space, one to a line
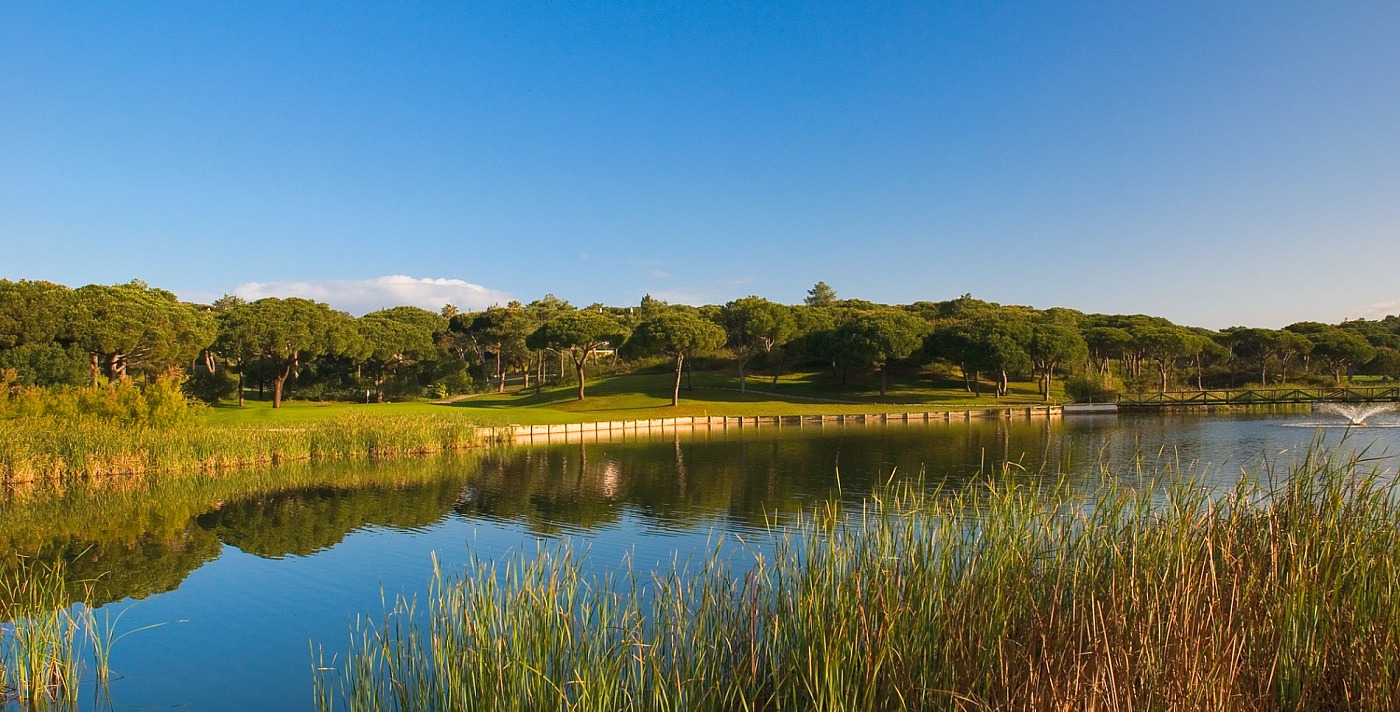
[1357, 413]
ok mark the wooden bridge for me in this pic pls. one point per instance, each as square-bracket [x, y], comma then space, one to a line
[1260, 396]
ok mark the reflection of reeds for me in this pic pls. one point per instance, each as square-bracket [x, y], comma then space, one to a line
[35, 449]
[1267, 597]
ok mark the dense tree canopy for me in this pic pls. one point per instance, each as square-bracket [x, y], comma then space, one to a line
[130, 327]
[876, 339]
[286, 334]
[51, 335]
[392, 340]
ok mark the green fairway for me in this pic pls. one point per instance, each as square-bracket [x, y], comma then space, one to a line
[647, 395]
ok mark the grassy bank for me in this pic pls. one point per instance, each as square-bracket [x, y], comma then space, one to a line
[1268, 597]
[38, 450]
[123, 431]
[641, 397]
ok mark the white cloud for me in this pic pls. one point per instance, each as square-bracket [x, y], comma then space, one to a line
[359, 296]
[1378, 310]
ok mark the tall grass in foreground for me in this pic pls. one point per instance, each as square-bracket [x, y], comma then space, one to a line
[1272, 596]
[45, 643]
[38, 639]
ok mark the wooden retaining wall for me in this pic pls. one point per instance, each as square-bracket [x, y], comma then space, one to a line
[625, 429]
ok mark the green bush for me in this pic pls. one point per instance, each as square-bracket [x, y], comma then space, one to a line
[160, 403]
[212, 387]
[1092, 387]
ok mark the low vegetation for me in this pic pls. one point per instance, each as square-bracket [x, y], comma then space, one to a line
[1278, 595]
[122, 430]
[51, 651]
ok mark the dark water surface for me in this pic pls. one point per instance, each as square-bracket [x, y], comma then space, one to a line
[245, 572]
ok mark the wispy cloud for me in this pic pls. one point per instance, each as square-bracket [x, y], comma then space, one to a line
[359, 296]
[1378, 310]
[716, 292]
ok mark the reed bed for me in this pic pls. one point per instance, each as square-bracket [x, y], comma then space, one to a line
[1279, 594]
[41, 449]
[40, 639]
[53, 653]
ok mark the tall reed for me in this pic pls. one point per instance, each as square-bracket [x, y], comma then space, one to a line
[39, 636]
[1276, 595]
[39, 449]
[47, 642]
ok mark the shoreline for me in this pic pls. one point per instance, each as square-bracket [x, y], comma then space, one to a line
[600, 430]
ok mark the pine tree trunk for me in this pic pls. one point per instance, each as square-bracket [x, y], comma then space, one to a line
[579, 364]
[277, 381]
[676, 390]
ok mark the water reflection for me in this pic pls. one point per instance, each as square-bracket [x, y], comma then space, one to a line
[135, 541]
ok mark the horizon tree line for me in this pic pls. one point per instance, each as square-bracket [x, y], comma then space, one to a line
[53, 335]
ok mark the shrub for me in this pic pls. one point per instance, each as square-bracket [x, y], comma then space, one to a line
[1090, 387]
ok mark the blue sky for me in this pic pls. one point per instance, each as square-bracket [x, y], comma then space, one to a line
[1214, 163]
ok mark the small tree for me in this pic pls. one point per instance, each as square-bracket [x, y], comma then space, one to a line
[754, 325]
[1341, 350]
[876, 339]
[396, 339]
[1051, 346]
[820, 295]
[1165, 345]
[579, 334]
[678, 333]
[285, 334]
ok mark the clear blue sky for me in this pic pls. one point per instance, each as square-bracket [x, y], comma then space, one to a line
[1214, 163]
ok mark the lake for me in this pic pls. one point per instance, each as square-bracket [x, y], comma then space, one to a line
[243, 574]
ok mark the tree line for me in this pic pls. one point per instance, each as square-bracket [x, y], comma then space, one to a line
[53, 335]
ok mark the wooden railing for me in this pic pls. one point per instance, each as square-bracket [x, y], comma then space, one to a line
[1261, 396]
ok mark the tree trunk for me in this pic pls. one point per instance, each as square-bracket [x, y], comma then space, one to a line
[277, 381]
[676, 390]
[742, 361]
[95, 369]
[1047, 385]
[539, 372]
[500, 373]
[884, 371]
[579, 363]
[240, 387]
[782, 361]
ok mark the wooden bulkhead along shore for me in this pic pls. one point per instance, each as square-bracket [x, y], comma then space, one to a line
[627, 429]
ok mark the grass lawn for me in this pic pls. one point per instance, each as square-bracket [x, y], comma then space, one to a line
[648, 395]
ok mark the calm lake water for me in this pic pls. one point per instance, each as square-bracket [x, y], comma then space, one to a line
[246, 572]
